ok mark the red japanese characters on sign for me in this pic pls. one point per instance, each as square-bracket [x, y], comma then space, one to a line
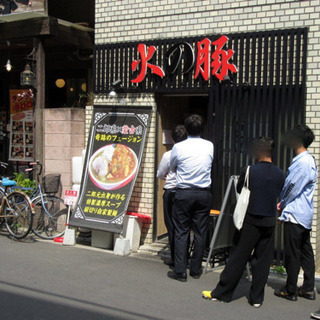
[21, 100]
[208, 61]
[70, 197]
[145, 56]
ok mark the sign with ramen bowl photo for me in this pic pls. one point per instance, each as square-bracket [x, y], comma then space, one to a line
[112, 162]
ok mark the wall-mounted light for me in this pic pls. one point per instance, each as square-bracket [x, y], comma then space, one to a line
[27, 76]
[116, 87]
[60, 83]
[112, 93]
[8, 65]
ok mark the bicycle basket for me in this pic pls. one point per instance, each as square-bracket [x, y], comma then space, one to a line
[51, 183]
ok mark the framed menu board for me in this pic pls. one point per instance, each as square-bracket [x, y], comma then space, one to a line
[21, 124]
[113, 158]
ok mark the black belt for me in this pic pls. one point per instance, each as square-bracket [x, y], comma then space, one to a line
[194, 189]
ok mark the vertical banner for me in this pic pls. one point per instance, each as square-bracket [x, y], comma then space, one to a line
[112, 162]
[21, 123]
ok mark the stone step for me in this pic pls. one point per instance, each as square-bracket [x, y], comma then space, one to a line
[160, 248]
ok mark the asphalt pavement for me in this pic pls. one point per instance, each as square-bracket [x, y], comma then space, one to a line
[47, 281]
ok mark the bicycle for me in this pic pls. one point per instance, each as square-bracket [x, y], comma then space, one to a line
[16, 209]
[50, 211]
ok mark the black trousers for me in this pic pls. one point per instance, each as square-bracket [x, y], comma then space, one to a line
[259, 239]
[298, 253]
[168, 197]
[191, 210]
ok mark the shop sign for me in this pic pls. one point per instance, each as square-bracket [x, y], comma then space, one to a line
[113, 158]
[70, 197]
[21, 125]
[210, 59]
[21, 100]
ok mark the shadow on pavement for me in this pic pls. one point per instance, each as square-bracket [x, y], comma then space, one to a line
[23, 303]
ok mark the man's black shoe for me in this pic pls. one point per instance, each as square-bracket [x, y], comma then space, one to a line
[177, 276]
[195, 275]
[310, 295]
[283, 293]
[169, 263]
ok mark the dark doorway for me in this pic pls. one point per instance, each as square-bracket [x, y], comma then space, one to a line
[172, 110]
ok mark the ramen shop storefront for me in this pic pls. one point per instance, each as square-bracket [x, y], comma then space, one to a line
[242, 89]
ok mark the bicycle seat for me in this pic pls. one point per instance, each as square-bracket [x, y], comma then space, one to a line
[8, 183]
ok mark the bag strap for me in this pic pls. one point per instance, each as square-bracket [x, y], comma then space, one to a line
[246, 179]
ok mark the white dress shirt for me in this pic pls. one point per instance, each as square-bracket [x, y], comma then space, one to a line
[192, 159]
[164, 170]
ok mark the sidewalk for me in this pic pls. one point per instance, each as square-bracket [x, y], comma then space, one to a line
[43, 281]
[162, 250]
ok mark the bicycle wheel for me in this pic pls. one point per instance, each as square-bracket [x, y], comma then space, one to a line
[50, 217]
[19, 214]
[2, 221]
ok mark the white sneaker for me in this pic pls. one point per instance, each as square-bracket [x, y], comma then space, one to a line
[207, 295]
[257, 305]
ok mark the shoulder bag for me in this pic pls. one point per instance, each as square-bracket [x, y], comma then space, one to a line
[242, 203]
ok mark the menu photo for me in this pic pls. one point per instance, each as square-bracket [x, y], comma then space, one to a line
[21, 137]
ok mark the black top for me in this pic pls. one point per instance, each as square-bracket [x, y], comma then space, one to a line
[265, 183]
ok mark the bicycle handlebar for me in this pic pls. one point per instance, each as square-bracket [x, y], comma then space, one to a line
[35, 164]
[4, 164]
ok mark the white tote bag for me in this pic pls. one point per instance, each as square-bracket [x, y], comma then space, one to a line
[242, 203]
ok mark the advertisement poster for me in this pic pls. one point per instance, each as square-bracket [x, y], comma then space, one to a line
[21, 124]
[113, 159]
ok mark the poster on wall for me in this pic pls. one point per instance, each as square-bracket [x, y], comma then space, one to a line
[112, 162]
[20, 6]
[21, 125]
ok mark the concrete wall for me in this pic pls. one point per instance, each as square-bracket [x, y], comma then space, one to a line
[132, 20]
[64, 138]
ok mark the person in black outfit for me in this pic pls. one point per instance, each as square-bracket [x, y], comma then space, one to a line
[257, 234]
[178, 134]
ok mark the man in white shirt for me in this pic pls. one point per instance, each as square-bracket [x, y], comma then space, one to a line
[179, 134]
[192, 161]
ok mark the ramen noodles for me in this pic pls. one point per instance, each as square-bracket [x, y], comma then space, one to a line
[113, 164]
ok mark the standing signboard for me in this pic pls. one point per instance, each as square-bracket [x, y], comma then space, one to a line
[112, 162]
[21, 123]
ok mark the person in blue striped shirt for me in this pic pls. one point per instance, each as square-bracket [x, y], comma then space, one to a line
[296, 207]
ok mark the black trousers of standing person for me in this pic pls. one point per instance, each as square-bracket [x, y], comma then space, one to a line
[261, 240]
[191, 208]
[298, 253]
[168, 197]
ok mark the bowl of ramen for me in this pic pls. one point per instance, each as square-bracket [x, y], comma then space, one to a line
[113, 166]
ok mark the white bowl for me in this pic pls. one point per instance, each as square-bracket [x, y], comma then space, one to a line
[112, 185]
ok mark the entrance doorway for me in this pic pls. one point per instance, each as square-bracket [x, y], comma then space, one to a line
[172, 110]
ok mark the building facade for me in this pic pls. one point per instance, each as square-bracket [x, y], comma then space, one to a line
[276, 83]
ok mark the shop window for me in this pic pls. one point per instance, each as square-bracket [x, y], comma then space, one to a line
[66, 92]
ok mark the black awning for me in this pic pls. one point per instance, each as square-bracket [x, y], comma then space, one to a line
[32, 24]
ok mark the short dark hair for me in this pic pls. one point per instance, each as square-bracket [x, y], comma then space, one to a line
[194, 125]
[300, 135]
[179, 133]
[262, 146]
